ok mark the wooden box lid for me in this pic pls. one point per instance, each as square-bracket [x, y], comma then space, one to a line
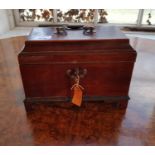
[102, 33]
[106, 37]
[107, 44]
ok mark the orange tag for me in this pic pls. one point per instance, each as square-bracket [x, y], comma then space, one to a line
[77, 96]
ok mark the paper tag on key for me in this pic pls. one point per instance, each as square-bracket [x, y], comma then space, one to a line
[77, 92]
[77, 96]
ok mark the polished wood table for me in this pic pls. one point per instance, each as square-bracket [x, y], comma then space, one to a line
[50, 62]
[92, 124]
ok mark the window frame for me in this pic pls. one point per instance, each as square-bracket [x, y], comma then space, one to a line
[37, 23]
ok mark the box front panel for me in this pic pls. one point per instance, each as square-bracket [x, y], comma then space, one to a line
[51, 80]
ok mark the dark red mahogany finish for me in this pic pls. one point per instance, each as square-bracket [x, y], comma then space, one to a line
[106, 55]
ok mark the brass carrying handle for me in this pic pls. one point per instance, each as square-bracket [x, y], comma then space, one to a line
[73, 73]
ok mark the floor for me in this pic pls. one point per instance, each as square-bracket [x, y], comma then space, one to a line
[93, 124]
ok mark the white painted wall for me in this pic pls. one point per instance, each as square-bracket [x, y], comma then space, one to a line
[6, 20]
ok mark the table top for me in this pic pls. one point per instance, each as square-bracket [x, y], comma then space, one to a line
[102, 33]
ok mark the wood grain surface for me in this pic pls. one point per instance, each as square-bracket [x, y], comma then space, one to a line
[93, 124]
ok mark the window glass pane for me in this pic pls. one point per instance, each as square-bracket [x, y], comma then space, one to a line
[122, 16]
[75, 15]
[102, 16]
[36, 15]
[149, 17]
